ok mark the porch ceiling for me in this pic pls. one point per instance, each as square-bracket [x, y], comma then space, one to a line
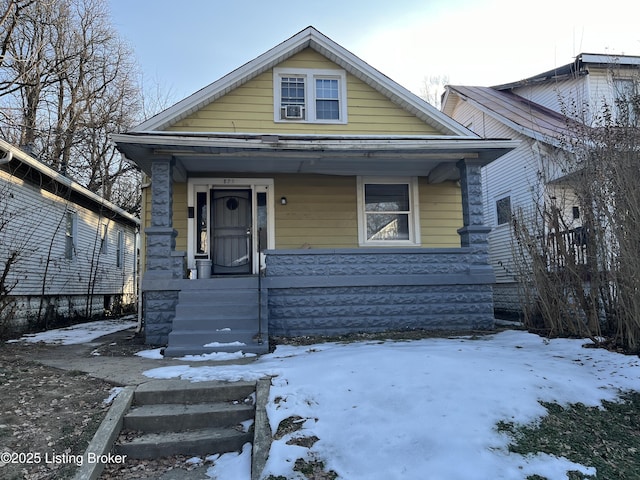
[196, 154]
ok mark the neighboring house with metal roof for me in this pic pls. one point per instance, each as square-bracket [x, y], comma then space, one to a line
[65, 252]
[542, 112]
[309, 194]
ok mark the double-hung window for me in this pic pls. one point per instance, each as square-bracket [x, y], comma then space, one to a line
[120, 249]
[71, 233]
[292, 99]
[388, 211]
[503, 210]
[104, 239]
[625, 95]
[310, 95]
[327, 99]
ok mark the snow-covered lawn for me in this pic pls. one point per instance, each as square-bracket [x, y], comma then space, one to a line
[81, 333]
[407, 410]
[421, 409]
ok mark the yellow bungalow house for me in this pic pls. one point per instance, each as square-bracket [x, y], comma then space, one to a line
[307, 193]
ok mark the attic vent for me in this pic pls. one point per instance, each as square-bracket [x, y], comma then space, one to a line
[293, 112]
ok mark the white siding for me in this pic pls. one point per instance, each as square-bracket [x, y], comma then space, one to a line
[582, 97]
[37, 229]
[514, 175]
[563, 96]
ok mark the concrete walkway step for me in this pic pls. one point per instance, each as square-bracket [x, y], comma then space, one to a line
[186, 392]
[177, 417]
[194, 442]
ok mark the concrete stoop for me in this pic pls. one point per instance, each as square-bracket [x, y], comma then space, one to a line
[176, 417]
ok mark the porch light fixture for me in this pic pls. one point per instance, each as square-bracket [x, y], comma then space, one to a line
[283, 200]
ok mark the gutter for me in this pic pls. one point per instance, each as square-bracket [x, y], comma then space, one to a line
[311, 142]
[7, 157]
[13, 152]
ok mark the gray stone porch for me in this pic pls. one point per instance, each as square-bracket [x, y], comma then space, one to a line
[316, 292]
[326, 292]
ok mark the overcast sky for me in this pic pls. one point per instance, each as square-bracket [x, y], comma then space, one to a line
[182, 46]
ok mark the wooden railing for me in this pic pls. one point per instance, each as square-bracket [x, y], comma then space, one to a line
[566, 245]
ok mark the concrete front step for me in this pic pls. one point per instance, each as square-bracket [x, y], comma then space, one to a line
[181, 351]
[186, 392]
[225, 313]
[176, 417]
[219, 313]
[189, 342]
[195, 442]
[214, 326]
[231, 282]
[179, 417]
[220, 296]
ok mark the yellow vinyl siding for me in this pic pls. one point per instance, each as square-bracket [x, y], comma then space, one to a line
[249, 109]
[179, 219]
[440, 214]
[321, 212]
[180, 214]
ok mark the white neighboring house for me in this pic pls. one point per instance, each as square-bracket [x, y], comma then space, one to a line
[538, 111]
[71, 254]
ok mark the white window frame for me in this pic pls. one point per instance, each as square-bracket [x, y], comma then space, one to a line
[310, 75]
[495, 203]
[622, 94]
[120, 242]
[71, 235]
[414, 211]
[205, 184]
[104, 239]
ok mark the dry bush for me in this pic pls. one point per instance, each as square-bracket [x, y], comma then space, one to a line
[585, 280]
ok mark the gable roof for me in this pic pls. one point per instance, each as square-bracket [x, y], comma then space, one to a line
[522, 115]
[307, 38]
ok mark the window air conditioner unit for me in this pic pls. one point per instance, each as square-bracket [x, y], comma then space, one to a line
[293, 112]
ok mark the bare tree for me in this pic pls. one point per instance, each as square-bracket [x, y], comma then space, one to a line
[433, 88]
[10, 14]
[69, 83]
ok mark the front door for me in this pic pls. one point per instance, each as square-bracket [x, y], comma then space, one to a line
[231, 222]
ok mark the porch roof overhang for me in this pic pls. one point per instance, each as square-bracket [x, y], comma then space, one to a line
[434, 157]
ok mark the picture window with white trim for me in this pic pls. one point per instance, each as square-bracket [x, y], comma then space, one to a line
[388, 211]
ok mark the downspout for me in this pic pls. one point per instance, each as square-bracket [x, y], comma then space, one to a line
[143, 187]
[137, 280]
[8, 156]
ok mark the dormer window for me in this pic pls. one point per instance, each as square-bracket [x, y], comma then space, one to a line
[310, 96]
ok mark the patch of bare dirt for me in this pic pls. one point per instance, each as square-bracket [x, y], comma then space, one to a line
[47, 416]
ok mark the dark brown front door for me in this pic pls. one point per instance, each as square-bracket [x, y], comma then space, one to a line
[231, 231]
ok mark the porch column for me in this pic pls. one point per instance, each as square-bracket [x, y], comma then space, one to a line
[161, 236]
[474, 233]
[163, 264]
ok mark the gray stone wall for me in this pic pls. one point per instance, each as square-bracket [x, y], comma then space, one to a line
[164, 265]
[159, 311]
[325, 292]
[56, 310]
[506, 300]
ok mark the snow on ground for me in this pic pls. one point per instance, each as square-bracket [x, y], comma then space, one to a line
[422, 409]
[386, 410]
[81, 333]
[156, 354]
